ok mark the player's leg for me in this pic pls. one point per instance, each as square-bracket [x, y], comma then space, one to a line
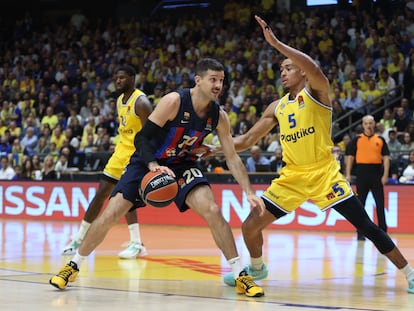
[354, 212]
[201, 200]
[116, 209]
[106, 185]
[123, 197]
[135, 248]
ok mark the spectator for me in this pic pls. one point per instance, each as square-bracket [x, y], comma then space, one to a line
[403, 78]
[58, 137]
[50, 118]
[76, 127]
[272, 140]
[48, 171]
[15, 131]
[28, 172]
[17, 151]
[355, 104]
[387, 119]
[276, 162]
[237, 95]
[394, 146]
[86, 110]
[5, 146]
[242, 125]
[405, 103]
[29, 142]
[230, 113]
[42, 147]
[386, 84]
[61, 165]
[6, 171]
[372, 98]
[401, 121]
[18, 173]
[407, 144]
[37, 166]
[407, 176]
[339, 156]
[255, 158]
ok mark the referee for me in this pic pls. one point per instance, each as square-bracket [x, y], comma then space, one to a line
[370, 153]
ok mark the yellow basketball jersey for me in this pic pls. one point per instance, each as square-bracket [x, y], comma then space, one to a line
[129, 125]
[305, 129]
[129, 122]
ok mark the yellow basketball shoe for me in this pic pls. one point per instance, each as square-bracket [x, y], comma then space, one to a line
[246, 285]
[67, 274]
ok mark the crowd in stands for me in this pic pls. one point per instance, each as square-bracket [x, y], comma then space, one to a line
[58, 99]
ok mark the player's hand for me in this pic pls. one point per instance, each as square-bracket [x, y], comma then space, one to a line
[154, 167]
[205, 151]
[267, 31]
[255, 201]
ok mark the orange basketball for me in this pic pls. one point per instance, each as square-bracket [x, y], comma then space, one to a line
[158, 189]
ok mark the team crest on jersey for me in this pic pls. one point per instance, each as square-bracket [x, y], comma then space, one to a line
[209, 125]
[301, 102]
[186, 118]
[170, 152]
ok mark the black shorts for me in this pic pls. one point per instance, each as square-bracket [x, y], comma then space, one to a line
[188, 176]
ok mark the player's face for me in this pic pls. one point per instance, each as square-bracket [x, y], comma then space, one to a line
[122, 81]
[212, 83]
[290, 74]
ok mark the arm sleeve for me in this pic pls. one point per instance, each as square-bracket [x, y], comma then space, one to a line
[151, 132]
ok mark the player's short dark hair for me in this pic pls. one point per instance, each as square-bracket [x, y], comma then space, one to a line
[205, 64]
[130, 71]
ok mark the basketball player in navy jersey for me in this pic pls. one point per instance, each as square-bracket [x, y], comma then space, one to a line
[311, 172]
[167, 143]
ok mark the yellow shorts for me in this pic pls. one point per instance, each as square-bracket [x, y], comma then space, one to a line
[117, 164]
[322, 183]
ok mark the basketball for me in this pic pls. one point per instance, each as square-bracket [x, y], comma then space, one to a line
[158, 189]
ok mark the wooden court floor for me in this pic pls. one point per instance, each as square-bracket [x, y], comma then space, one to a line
[307, 271]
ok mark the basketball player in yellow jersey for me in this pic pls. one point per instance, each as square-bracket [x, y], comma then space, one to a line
[133, 108]
[311, 171]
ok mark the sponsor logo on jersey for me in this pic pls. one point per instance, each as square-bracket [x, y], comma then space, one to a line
[294, 137]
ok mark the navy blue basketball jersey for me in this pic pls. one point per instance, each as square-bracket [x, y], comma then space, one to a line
[186, 132]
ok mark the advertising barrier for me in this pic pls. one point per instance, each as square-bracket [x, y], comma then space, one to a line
[68, 201]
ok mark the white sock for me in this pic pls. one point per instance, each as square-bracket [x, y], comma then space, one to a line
[84, 227]
[257, 263]
[134, 233]
[408, 272]
[78, 259]
[236, 266]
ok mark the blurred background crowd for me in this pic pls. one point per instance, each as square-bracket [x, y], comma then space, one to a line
[57, 94]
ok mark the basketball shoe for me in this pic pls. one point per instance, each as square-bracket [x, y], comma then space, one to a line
[71, 248]
[67, 274]
[133, 250]
[255, 274]
[410, 288]
[245, 285]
